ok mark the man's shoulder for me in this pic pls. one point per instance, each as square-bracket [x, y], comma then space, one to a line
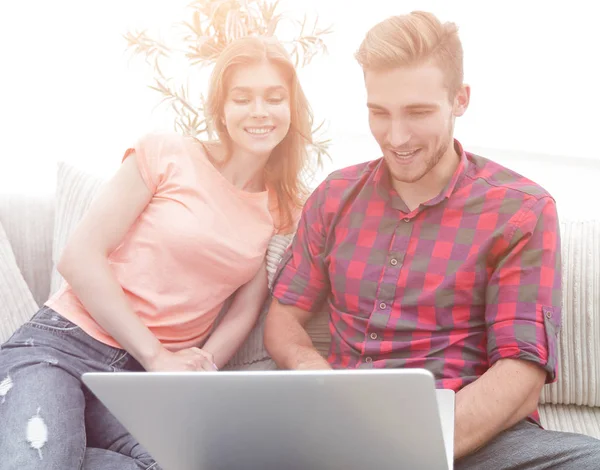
[342, 186]
[354, 172]
[349, 176]
[497, 175]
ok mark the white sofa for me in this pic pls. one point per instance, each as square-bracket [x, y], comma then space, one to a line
[33, 231]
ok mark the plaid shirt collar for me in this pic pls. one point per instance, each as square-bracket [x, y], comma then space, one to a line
[382, 180]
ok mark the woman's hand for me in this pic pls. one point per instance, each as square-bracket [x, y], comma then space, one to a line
[191, 359]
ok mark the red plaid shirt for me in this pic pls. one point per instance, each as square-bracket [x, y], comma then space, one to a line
[467, 278]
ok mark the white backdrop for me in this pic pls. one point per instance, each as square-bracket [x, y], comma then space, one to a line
[68, 91]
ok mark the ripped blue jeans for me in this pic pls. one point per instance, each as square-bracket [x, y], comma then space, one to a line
[49, 419]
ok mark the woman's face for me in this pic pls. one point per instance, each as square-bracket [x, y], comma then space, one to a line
[257, 109]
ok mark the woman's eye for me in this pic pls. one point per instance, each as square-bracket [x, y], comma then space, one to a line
[275, 99]
[241, 100]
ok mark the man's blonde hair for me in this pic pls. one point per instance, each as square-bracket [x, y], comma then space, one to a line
[414, 39]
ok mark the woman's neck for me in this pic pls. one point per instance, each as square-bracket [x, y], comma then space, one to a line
[243, 170]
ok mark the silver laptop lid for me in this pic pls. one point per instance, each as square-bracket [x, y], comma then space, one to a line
[341, 419]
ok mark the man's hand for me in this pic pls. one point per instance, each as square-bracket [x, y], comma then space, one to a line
[191, 359]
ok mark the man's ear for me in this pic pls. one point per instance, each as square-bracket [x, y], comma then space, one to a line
[461, 100]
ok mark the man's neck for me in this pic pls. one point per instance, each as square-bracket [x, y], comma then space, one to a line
[428, 187]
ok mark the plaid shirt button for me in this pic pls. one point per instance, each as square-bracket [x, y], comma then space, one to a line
[406, 219]
[393, 261]
[373, 335]
[382, 306]
[368, 359]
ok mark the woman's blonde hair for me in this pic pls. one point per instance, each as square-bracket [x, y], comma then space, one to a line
[414, 39]
[290, 159]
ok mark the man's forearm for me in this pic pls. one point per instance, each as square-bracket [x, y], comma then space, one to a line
[305, 358]
[507, 393]
[287, 341]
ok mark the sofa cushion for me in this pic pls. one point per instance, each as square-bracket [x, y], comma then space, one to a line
[579, 340]
[16, 301]
[75, 191]
[571, 418]
[28, 221]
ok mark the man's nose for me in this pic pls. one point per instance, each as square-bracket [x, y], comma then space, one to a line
[399, 134]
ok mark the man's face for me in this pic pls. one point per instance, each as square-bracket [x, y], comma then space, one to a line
[412, 118]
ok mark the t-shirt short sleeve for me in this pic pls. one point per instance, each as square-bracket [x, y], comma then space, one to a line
[149, 152]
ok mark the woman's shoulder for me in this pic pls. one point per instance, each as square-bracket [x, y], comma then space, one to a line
[210, 150]
[169, 147]
[159, 153]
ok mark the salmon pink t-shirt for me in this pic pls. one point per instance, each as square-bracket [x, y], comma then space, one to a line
[198, 240]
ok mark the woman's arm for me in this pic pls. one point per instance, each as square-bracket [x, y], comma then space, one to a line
[239, 319]
[84, 265]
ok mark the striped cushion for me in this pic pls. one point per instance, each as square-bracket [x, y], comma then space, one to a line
[28, 221]
[16, 302]
[579, 343]
[75, 191]
[571, 418]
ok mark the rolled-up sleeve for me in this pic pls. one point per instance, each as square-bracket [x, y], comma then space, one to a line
[524, 293]
[301, 278]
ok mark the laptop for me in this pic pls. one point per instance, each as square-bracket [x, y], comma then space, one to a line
[298, 420]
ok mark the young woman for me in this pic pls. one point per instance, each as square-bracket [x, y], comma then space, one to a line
[181, 227]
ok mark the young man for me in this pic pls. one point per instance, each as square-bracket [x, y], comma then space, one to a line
[433, 257]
